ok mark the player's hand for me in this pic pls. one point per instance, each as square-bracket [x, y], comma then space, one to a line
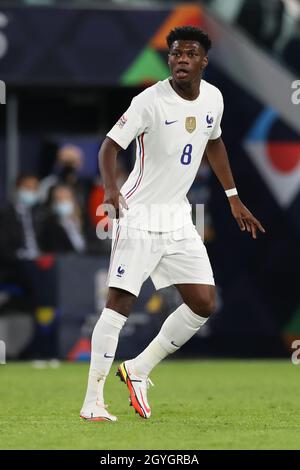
[114, 198]
[244, 218]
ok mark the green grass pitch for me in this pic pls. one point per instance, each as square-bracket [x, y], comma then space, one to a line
[195, 405]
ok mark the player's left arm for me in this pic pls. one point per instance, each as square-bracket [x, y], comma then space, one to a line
[218, 160]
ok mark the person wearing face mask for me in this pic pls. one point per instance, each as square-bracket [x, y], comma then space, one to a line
[63, 229]
[20, 222]
[69, 162]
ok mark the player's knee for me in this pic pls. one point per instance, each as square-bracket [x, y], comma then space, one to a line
[203, 305]
[122, 306]
[120, 301]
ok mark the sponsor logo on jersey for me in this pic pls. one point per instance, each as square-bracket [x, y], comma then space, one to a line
[209, 120]
[170, 122]
[122, 121]
[190, 124]
[120, 271]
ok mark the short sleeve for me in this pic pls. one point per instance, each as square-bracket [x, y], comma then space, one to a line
[217, 131]
[136, 120]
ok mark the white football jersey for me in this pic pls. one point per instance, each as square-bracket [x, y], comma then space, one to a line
[171, 135]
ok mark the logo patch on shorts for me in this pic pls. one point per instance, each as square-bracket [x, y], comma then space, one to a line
[120, 271]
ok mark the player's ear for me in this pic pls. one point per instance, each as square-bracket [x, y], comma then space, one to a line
[204, 62]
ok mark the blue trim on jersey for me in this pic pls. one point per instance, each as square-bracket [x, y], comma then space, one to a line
[141, 157]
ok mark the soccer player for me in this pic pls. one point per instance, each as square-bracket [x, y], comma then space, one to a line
[174, 122]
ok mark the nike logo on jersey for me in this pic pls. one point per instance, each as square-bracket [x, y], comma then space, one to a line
[172, 342]
[107, 356]
[170, 122]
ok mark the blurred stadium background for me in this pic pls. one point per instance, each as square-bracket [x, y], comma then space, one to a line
[71, 69]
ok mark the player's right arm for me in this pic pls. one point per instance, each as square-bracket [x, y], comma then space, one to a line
[107, 164]
[132, 123]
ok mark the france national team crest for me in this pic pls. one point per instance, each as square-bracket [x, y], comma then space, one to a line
[120, 271]
[209, 120]
[190, 124]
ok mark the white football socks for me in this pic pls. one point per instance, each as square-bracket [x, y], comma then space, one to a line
[104, 344]
[177, 329]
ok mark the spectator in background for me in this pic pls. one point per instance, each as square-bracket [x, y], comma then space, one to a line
[69, 162]
[66, 228]
[262, 19]
[63, 229]
[20, 222]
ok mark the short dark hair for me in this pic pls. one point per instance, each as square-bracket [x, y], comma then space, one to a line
[189, 33]
[25, 176]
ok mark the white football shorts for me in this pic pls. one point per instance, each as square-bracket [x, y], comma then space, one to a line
[177, 257]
